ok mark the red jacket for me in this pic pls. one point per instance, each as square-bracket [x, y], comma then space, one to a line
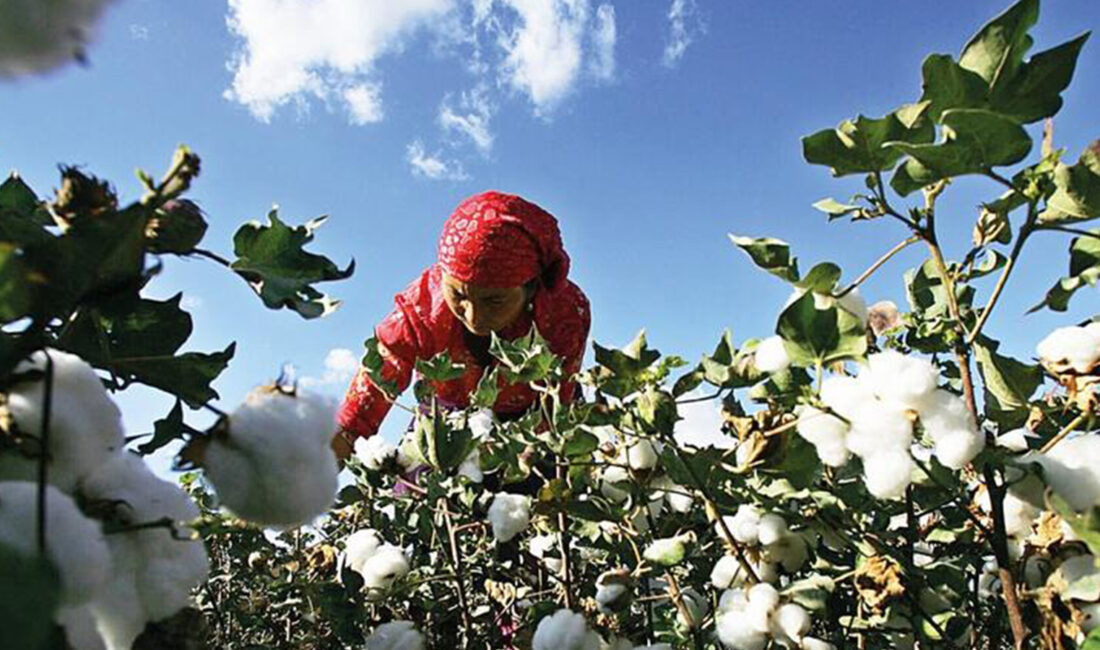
[421, 326]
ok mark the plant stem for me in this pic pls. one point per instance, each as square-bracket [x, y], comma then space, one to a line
[900, 246]
[685, 613]
[210, 255]
[1072, 231]
[456, 564]
[1068, 429]
[44, 456]
[705, 398]
[563, 542]
[1017, 247]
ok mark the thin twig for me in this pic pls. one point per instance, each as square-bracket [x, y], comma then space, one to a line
[1017, 247]
[44, 456]
[1068, 429]
[211, 255]
[902, 245]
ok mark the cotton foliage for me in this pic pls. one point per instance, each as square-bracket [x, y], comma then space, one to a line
[75, 545]
[85, 423]
[274, 465]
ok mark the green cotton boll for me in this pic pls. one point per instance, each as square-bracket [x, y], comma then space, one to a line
[669, 551]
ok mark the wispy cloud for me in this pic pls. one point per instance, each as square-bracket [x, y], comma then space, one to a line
[470, 119]
[340, 366]
[544, 49]
[294, 49]
[605, 35]
[433, 165]
[139, 32]
[684, 25]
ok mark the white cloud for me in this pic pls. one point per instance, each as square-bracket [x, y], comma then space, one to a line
[340, 366]
[701, 425]
[604, 35]
[544, 50]
[684, 24]
[364, 103]
[139, 32]
[471, 119]
[294, 49]
[432, 165]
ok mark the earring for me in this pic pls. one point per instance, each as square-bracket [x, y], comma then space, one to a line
[531, 306]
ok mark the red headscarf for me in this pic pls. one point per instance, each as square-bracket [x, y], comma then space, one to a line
[494, 239]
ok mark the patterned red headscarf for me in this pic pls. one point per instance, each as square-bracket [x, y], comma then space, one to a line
[500, 240]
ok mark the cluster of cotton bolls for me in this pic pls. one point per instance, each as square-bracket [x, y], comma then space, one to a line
[568, 630]
[509, 515]
[770, 545]
[112, 585]
[876, 411]
[1071, 349]
[378, 563]
[750, 619]
[37, 36]
[396, 635]
[272, 463]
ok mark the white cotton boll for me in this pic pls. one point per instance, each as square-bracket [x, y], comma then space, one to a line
[545, 547]
[944, 413]
[725, 570]
[38, 36]
[387, 565]
[1015, 440]
[771, 528]
[374, 452]
[397, 635]
[1018, 513]
[80, 628]
[668, 551]
[641, 455]
[1070, 348]
[610, 478]
[610, 597]
[736, 632]
[733, 600]
[878, 426]
[811, 643]
[359, 547]
[959, 448]
[845, 394]
[854, 303]
[471, 467]
[887, 473]
[905, 379]
[75, 545]
[1072, 470]
[745, 525]
[678, 497]
[85, 424]
[167, 567]
[481, 423]
[792, 621]
[789, 551]
[833, 452]
[275, 466]
[564, 630]
[771, 355]
[509, 514]
[763, 595]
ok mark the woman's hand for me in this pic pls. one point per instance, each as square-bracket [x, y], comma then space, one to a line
[343, 444]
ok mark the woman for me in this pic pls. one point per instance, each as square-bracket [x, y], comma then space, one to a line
[501, 268]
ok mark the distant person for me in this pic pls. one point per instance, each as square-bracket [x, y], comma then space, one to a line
[501, 268]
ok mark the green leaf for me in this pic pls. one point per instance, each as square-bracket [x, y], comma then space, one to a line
[948, 85]
[991, 262]
[372, 363]
[526, 359]
[822, 278]
[1084, 270]
[812, 592]
[814, 336]
[443, 446]
[857, 147]
[1008, 384]
[629, 361]
[165, 430]
[29, 595]
[16, 300]
[272, 259]
[657, 410]
[18, 201]
[1035, 91]
[1092, 641]
[975, 140]
[188, 375]
[1086, 525]
[772, 255]
[128, 326]
[440, 368]
[800, 464]
[1076, 189]
[996, 52]
[580, 444]
[488, 388]
[835, 209]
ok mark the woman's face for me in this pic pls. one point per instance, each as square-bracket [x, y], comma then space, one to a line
[483, 309]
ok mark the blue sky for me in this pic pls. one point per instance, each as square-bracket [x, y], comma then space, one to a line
[651, 129]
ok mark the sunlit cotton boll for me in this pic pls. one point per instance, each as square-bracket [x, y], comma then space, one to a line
[1070, 348]
[85, 424]
[359, 547]
[374, 452]
[610, 479]
[37, 36]
[826, 433]
[471, 467]
[905, 379]
[396, 635]
[888, 473]
[1072, 470]
[75, 544]
[387, 565]
[789, 551]
[771, 529]
[509, 514]
[275, 465]
[944, 413]
[564, 630]
[790, 622]
[744, 526]
[959, 448]
[736, 632]
[811, 643]
[678, 497]
[878, 426]
[544, 547]
[771, 355]
[169, 562]
[845, 394]
[641, 455]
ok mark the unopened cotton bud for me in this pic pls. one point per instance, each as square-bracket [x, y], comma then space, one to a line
[771, 355]
[509, 514]
[888, 473]
[396, 635]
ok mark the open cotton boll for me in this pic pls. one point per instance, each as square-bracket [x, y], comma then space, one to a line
[1015, 440]
[944, 413]
[1018, 513]
[610, 478]
[166, 566]
[771, 528]
[668, 551]
[396, 635]
[80, 628]
[75, 545]
[771, 355]
[1072, 470]
[564, 630]
[610, 597]
[509, 514]
[678, 497]
[387, 565]
[725, 570]
[878, 426]
[274, 465]
[37, 36]
[790, 621]
[811, 643]
[544, 547]
[959, 448]
[641, 455]
[471, 467]
[816, 425]
[736, 632]
[745, 525]
[1070, 348]
[85, 424]
[907, 380]
[844, 394]
[359, 547]
[789, 551]
[374, 452]
[888, 473]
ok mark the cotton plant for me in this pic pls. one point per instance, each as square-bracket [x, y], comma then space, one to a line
[271, 463]
[395, 635]
[772, 545]
[378, 563]
[750, 619]
[565, 630]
